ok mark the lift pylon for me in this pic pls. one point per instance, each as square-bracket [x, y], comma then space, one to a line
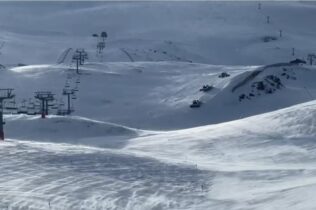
[69, 93]
[4, 95]
[44, 97]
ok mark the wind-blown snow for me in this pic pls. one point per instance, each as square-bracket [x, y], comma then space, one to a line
[184, 169]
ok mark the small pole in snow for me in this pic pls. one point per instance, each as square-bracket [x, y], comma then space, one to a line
[280, 33]
[259, 5]
[268, 19]
[202, 187]
[77, 66]
[293, 51]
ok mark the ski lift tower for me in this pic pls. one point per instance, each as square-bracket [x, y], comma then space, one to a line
[69, 93]
[83, 55]
[4, 94]
[76, 57]
[44, 97]
[100, 47]
[79, 56]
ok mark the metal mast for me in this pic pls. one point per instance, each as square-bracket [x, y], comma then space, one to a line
[79, 56]
[69, 93]
[4, 94]
[44, 97]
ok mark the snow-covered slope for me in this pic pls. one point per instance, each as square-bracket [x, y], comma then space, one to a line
[263, 167]
[133, 141]
[228, 33]
[258, 91]
[155, 91]
[157, 95]
[264, 160]
[274, 136]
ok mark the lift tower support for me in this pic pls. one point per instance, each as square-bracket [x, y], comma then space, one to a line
[44, 97]
[68, 93]
[4, 94]
[79, 57]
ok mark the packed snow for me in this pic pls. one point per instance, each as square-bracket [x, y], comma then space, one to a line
[191, 105]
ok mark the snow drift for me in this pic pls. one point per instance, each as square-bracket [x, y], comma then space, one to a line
[245, 144]
[76, 130]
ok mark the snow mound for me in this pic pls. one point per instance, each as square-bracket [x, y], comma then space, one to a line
[283, 79]
[68, 130]
[282, 139]
[256, 91]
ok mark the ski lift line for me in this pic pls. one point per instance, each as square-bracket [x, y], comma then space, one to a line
[63, 56]
[128, 55]
[271, 24]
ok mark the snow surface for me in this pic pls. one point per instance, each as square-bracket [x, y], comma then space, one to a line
[225, 33]
[263, 168]
[133, 141]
